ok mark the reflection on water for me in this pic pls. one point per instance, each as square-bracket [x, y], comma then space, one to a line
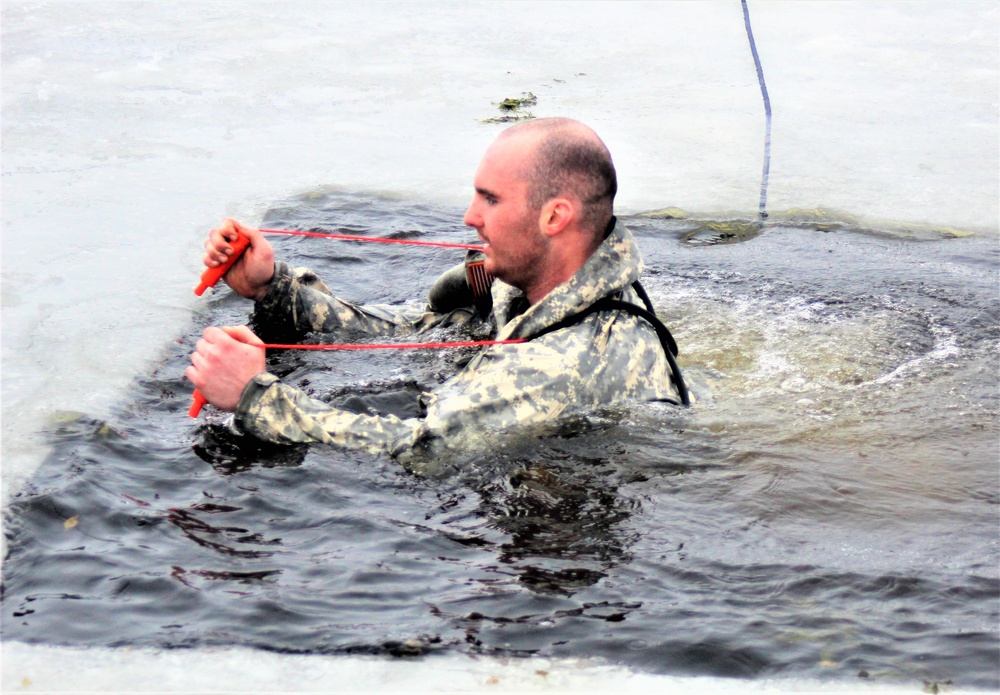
[826, 508]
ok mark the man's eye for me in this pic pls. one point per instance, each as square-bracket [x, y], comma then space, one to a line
[491, 200]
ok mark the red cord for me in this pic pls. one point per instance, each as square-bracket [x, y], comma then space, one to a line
[199, 400]
[216, 273]
[351, 237]
[392, 346]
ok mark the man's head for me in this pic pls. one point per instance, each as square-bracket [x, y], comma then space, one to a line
[544, 196]
[570, 160]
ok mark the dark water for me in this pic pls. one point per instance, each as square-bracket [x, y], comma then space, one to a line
[827, 509]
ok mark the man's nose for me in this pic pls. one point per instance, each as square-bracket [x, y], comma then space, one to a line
[472, 217]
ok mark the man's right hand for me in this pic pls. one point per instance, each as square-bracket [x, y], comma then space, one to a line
[251, 275]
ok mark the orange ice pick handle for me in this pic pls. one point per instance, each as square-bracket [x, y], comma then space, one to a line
[208, 279]
[199, 401]
[212, 275]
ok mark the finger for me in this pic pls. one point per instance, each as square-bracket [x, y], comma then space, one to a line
[210, 337]
[203, 353]
[229, 229]
[213, 345]
[198, 362]
[193, 375]
[255, 236]
[243, 334]
[244, 229]
[220, 239]
[217, 249]
[211, 258]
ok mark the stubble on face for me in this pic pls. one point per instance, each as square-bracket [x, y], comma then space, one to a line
[517, 251]
[517, 247]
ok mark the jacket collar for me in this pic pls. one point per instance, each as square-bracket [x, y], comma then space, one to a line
[615, 265]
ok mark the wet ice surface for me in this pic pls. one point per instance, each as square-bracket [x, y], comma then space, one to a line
[129, 129]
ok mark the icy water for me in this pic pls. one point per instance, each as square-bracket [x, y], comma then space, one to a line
[827, 509]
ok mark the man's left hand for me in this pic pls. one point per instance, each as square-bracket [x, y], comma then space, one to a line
[224, 361]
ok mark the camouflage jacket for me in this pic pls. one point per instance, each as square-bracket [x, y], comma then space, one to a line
[608, 357]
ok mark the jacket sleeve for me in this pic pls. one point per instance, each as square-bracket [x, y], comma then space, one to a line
[298, 303]
[512, 385]
[504, 387]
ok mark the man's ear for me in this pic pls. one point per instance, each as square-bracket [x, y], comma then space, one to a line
[556, 215]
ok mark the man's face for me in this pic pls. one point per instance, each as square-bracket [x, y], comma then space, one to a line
[500, 214]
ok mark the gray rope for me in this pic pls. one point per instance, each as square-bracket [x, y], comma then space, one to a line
[767, 112]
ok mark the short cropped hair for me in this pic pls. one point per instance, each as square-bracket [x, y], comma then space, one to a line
[567, 161]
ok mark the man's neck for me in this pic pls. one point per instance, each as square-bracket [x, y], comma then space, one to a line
[563, 264]
[558, 268]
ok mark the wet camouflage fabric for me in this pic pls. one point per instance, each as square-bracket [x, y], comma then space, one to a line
[298, 303]
[609, 357]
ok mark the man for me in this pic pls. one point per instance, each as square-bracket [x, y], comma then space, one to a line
[543, 204]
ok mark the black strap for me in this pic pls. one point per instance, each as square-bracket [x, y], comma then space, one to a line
[662, 332]
[641, 291]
